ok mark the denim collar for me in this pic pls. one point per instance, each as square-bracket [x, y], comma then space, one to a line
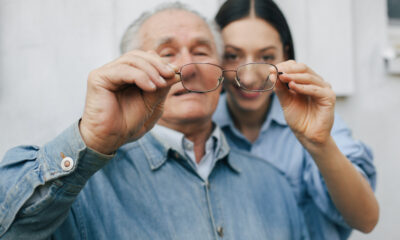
[275, 114]
[176, 140]
[157, 151]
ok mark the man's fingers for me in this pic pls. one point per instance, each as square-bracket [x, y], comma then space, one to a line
[173, 80]
[144, 65]
[145, 72]
[164, 69]
[116, 77]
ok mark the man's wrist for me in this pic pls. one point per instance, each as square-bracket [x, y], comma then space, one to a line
[94, 142]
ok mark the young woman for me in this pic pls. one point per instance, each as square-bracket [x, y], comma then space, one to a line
[293, 127]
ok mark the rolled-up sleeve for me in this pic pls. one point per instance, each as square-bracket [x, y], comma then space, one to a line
[360, 156]
[356, 151]
[39, 185]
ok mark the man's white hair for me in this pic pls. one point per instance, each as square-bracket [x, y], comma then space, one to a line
[131, 40]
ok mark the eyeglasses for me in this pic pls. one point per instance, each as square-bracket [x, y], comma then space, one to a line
[207, 77]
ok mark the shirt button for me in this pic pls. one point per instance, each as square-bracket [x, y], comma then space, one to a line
[67, 164]
[220, 231]
[188, 145]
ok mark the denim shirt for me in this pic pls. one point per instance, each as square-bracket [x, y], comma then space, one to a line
[178, 142]
[146, 191]
[278, 145]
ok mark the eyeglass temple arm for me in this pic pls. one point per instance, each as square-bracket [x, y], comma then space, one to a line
[180, 75]
[287, 84]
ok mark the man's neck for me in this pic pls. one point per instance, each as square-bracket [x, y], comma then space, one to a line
[196, 132]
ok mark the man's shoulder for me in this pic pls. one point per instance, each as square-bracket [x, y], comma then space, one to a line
[262, 176]
[146, 150]
[146, 143]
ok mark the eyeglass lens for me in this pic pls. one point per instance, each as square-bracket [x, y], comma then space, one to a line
[257, 76]
[205, 77]
[200, 77]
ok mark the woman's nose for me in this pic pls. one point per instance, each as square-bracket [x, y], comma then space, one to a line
[248, 77]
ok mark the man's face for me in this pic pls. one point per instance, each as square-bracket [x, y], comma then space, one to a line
[182, 37]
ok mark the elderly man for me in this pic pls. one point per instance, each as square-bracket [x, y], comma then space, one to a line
[108, 177]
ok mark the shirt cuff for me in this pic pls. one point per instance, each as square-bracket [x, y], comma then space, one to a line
[67, 156]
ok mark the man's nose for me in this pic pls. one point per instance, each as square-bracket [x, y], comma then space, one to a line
[183, 58]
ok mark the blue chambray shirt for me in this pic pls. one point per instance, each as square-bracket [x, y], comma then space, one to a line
[277, 145]
[185, 147]
[146, 191]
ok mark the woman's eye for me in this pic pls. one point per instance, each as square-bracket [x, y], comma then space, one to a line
[268, 58]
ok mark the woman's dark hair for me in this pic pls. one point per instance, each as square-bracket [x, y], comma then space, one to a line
[233, 10]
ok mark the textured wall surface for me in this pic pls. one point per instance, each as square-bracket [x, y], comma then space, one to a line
[47, 49]
[373, 111]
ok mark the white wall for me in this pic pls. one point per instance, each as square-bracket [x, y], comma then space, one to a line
[48, 47]
[373, 112]
[323, 38]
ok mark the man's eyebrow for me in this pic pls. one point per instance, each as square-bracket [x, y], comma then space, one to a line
[203, 41]
[163, 41]
[199, 40]
[195, 42]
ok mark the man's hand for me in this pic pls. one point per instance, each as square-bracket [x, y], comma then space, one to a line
[308, 105]
[125, 99]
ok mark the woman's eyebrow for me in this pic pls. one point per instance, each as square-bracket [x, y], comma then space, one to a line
[267, 48]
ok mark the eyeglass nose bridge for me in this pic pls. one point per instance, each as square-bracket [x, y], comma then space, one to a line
[237, 80]
[236, 76]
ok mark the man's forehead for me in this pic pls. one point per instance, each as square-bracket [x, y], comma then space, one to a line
[169, 25]
[172, 39]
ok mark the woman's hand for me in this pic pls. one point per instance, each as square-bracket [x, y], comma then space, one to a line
[124, 99]
[308, 104]
[308, 107]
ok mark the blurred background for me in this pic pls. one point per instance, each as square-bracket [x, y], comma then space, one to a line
[47, 49]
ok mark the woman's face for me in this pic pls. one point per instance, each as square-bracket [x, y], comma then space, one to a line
[249, 40]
